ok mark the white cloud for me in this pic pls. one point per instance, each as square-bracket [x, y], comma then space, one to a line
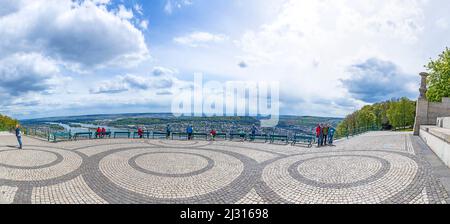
[22, 73]
[168, 7]
[310, 44]
[144, 24]
[124, 13]
[162, 80]
[43, 41]
[138, 9]
[443, 23]
[163, 71]
[85, 34]
[196, 39]
[175, 4]
[27, 80]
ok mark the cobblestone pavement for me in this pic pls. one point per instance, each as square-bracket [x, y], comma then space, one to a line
[378, 167]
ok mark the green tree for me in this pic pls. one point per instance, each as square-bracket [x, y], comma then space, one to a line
[401, 113]
[395, 113]
[7, 123]
[439, 79]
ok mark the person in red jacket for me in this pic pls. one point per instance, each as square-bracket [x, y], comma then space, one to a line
[140, 133]
[98, 133]
[103, 132]
[213, 134]
[319, 135]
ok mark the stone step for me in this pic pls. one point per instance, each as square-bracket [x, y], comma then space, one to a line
[441, 133]
[443, 122]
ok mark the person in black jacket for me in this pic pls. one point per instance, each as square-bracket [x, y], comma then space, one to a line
[19, 136]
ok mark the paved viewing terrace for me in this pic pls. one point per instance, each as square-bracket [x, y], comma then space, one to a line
[376, 167]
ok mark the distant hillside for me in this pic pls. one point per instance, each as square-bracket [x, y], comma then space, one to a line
[162, 118]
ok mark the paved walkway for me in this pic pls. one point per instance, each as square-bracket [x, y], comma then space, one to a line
[378, 167]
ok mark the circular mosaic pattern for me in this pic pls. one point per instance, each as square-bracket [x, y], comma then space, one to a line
[120, 169]
[27, 158]
[179, 143]
[339, 171]
[340, 177]
[174, 165]
[128, 171]
[36, 164]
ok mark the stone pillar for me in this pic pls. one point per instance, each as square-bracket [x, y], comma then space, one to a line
[423, 85]
[422, 105]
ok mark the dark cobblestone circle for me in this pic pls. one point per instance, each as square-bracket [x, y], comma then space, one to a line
[293, 171]
[230, 193]
[58, 159]
[132, 163]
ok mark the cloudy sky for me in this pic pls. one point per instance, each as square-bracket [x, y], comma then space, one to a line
[63, 57]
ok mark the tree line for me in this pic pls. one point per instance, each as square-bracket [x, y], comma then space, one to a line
[388, 115]
[7, 123]
[439, 80]
[400, 113]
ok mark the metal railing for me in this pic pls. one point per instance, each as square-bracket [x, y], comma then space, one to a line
[56, 136]
[351, 132]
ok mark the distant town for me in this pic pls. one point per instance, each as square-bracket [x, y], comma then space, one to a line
[288, 125]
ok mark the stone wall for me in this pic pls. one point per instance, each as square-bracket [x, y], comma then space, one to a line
[427, 113]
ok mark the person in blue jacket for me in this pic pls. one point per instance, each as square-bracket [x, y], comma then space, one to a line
[331, 132]
[189, 131]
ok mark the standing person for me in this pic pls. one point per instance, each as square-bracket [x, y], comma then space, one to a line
[140, 133]
[213, 134]
[331, 135]
[189, 131]
[325, 133]
[168, 131]
[19, 135]
[254, 129]
[319, 135]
